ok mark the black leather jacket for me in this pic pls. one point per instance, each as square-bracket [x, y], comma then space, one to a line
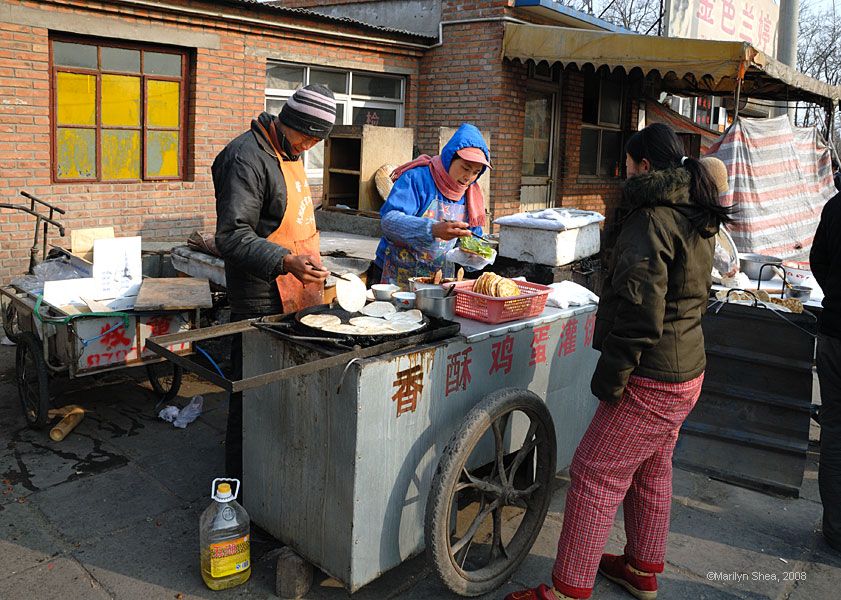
[250, 202]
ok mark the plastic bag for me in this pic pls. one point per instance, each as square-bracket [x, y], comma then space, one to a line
[189, 413]
[49, 270]
[469, 260]
[169, 413]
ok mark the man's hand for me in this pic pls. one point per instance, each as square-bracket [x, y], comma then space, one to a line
[448, 230]
[306, 268]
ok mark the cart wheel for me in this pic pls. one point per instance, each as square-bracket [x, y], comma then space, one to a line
[468, 503]
[165, 378]
[11, 327]
[33, 379]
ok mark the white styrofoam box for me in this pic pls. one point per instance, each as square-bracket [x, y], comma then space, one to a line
[553, 248]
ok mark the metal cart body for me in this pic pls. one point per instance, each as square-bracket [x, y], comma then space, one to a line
[338, 463]
[93, 344]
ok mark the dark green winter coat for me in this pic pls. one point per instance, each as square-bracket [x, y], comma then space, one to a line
[649, 317]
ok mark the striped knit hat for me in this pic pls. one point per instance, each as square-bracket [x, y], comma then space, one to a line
[311, 110]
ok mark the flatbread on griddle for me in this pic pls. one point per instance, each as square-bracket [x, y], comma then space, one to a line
[368, 322]
[378, 309]
[320, 321]
[404, 326]
[341, 328]
[409, 316]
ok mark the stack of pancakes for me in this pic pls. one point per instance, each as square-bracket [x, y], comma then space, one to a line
[491, 284]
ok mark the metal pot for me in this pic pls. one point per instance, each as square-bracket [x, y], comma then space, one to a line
[799, 292]
[751, 265]
[434, 302]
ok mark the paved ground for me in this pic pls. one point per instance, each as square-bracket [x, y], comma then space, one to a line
[112, 512]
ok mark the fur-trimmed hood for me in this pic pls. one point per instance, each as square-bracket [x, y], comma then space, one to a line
[666, 187]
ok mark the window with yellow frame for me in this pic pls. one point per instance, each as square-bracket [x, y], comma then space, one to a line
[118, 112]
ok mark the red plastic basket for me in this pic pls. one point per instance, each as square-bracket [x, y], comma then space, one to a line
[489, 309]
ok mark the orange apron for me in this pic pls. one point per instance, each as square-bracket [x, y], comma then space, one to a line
[297, 233]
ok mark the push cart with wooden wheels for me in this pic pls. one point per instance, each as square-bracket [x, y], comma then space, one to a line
[361, 453]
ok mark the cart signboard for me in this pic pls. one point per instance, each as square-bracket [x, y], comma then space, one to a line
[106, 342]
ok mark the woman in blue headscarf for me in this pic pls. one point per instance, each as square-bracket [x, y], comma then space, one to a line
[434, 202]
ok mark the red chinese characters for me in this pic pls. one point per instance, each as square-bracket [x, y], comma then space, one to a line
[158, 326]
[728, 17]
[765, 32]
[113, 336]
[746, 31]
[705, 11]
[568, 335]
[502, 355]
[458, 371]
[589, 330]
[409, 384]
[538, 345]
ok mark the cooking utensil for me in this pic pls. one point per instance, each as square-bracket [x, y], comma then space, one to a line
[350, 293]
[404, 299]
[383, 291]
[751, 265]
[798, 292]
[436, 302]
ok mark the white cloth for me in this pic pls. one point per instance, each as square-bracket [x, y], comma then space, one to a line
[553, 219]
[566, 293]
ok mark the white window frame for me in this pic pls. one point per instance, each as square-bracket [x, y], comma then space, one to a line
[348, 100]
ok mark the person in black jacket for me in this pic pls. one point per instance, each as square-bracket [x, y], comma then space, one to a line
[825, 260]
[265, 225]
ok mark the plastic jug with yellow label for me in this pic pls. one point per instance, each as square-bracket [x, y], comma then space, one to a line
[225, 539]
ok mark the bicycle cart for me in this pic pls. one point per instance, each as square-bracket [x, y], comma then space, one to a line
[359, 453]
[50, 342]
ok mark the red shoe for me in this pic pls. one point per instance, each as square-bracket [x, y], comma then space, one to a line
[541, 592]
[616, 569]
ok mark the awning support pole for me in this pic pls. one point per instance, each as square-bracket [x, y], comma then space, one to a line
[738, 94]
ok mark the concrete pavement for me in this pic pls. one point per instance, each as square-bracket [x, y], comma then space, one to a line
[112, 512]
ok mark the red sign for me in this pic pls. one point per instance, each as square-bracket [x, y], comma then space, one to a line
[458, 371]
[409, 384]
[538, 345]
[568, 334]
[502, 354]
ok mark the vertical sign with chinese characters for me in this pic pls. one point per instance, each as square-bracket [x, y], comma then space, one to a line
[752, 21]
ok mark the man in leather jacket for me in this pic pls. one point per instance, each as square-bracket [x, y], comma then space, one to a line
[265, 225]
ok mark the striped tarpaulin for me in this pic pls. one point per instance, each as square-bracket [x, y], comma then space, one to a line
[780, 177]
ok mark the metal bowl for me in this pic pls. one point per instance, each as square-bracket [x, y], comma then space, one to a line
[434, 302]
[799, 292]
[751, 265]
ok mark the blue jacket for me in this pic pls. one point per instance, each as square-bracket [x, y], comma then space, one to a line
[415, 190]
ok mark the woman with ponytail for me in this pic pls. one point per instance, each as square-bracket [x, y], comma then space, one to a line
[649, 375]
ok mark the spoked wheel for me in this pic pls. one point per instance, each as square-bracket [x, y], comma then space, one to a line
[491, 492]
[11, 327]
[165, 378]
[33, 379]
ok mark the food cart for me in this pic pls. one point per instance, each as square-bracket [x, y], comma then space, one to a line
[358, 453]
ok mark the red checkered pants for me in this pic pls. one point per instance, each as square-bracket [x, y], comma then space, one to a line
[626, 454]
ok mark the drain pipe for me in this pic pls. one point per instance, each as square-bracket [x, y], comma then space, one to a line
[441, 24]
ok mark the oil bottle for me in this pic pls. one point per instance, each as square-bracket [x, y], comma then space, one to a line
[225, 539]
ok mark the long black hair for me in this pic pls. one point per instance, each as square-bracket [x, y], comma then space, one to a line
[661, 147]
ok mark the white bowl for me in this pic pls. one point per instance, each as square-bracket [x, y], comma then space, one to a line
[404, 299]
[383, 291]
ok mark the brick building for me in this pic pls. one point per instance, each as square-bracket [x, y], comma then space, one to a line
[115, 110]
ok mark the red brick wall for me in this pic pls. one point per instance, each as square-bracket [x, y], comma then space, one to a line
[228, 87]
[572, 190]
